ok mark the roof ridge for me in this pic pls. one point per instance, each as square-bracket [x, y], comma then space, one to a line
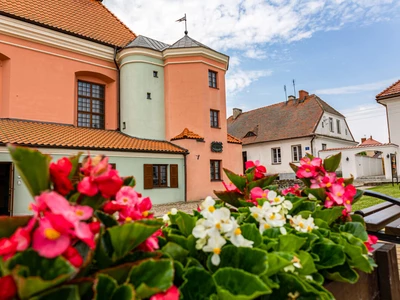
[319, 100]
[122, 23]
[388, 88]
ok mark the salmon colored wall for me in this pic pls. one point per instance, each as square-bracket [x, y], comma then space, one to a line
[188, 100]
[43, 86]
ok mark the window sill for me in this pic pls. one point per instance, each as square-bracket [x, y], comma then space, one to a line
[215, 88]
[216, 180]
[295, 162]
[215, 127]
[279, 163]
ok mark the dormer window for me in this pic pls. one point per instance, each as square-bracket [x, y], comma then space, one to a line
[91, 105]
[250, 134]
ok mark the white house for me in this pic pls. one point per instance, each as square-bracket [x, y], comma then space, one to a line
[284, 132]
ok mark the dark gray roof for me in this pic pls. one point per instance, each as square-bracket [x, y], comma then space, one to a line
[187, 42]
[145, 42]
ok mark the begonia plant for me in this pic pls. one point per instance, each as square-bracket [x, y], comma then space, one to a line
[90, 235]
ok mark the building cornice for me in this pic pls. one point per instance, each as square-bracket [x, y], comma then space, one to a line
[139, 51]
[38, 34]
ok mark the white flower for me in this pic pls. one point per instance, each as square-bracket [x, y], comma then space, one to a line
[309, 277]
[257, 212]
[274, 199]
[301, 224]
[207, 206]
[220, 220]
[214, 245]
[174, 211]
[236, 237]
[286, 206]
[166, 219]
[295, 264]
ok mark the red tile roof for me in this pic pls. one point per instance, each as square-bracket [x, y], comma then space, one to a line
[233, 140]
[370, 141]
[187, 134]
[280, 121]
[391, 91]
[38, 134]
[86, 18]
[360, 146]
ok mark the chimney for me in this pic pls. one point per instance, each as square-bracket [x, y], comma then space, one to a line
[303, 94]
[363, 140]
[236, 113]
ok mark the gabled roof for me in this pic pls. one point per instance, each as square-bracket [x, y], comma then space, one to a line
[187, 42]
[391, 91]
[280, 121]
[88, 19]
[39, 134]
[145, 42]
[187, 134]
[233, 140]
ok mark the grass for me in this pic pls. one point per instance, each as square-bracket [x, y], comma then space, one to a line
[367, 201]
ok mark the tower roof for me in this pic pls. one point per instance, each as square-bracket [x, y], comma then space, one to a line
[187, 42]
[145, 42]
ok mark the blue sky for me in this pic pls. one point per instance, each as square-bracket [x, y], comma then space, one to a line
[345, 51]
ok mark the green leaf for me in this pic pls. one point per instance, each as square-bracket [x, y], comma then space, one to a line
[94, 202]
[251, 260]
[358, 196]
[304, 206]
[357, 253]
[250, 232]
[186, 223]
[33, 167]
[330, 255]
[104, 287]
[307, 263]
[75, 164]
[230, 197]
[120, 273]
[34, 274]
[356, 229]
[198, 284]
[294, 167]
[126, 237]
[358, 218]
[342, 273]
[332, 163]
[129, 181]
[175, 251]
[320, 194]
[237, 180]
[276, 262]
[69, 292]
[238, 284]
[263, 182]
[348, 181]
[291, 242]
[8, 225]
[152, 277]
[124, 292]
[329, 215]
[106, 219]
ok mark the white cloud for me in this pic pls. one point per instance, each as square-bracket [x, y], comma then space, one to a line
[243, 24]
[237, 80]
[366, 121]
[255, 53]
[354, 89]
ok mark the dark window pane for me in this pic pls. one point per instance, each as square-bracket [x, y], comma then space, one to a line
[91, 102]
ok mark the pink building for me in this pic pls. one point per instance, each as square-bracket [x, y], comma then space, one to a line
[67, 82]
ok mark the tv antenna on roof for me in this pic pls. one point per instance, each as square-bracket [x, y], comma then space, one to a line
[294, 88]
[284, 88]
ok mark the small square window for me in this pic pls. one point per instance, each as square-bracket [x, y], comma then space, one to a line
[155, 74]
[149, 96]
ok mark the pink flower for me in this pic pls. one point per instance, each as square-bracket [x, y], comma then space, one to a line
[136, 212]
[100, 177]
[73, 256]
[230, 187]
[349, 193]
[315, 162]
[294, 190]
[8, 288]
[372, 240]
[257, 193]
[95, 227]
[171, 294]
[306, 171]
[7, 248]
[126, 196]
[112, 207]
[322, 181]
[259, 169]
[48, 241]
[151, 244]
[335, 195]
[59, 173]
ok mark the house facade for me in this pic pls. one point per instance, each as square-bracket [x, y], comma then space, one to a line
[283, 133]
[71, 79]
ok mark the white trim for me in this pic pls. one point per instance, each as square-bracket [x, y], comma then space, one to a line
[194, 61]
[140, 61]
[27, 31]
[139, 51]
[58, 55]
[69, 152]
[196, 51]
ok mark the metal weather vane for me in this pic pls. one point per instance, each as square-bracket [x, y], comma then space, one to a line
[181, 20]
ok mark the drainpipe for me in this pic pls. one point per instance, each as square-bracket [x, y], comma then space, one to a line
[185, 166]
[312, 146]
[118, 89]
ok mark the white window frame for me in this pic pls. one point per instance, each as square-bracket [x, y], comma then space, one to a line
[276, 154]
[296, 153]
[339, 131]
[331, 125]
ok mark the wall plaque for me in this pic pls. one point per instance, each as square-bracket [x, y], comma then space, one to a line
[216, 146]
